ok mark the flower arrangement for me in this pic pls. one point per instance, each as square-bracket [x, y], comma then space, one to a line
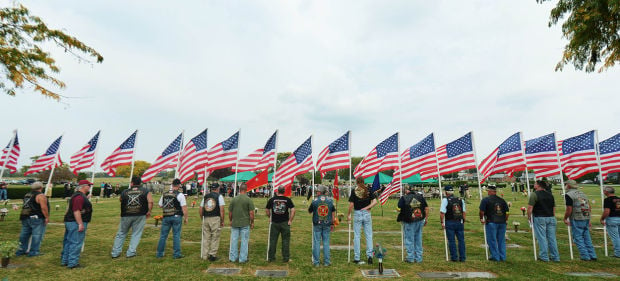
[157, 219]
[8, 248]
[523, 210]
[3, 213]
[193, 203]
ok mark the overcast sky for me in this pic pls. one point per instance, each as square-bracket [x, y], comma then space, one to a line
[310, 67]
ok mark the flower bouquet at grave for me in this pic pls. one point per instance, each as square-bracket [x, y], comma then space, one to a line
[379, 253]
[516, 225]
[157, 219]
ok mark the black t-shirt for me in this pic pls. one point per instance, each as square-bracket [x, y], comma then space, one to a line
[362, 200]
[613, 203]
[279, 206]
[569, 201]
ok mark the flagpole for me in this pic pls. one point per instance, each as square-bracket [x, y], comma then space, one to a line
[349, 190]
[237, 163]
[92, 177]
[527, 183]
[273, 180]
[8, 154]
[49, 180]
[445, 237]
[312, 185]
[570, 238]
[600, 180]
[133, 157]
[176, 171]
[402, 185]
[484, 229]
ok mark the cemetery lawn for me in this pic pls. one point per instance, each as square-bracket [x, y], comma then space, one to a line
[101, 231]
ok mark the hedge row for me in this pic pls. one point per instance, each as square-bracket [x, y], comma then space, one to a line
[58, 191]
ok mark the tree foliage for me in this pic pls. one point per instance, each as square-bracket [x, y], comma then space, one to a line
[23, 60]
[138, 170]
[593, 31]
[61, 174]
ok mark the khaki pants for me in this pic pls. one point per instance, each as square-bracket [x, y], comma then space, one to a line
[210, 236]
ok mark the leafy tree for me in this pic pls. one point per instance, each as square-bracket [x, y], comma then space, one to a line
[138, 170]
[82, 176]
[62, 173]
[593, 32]
[22, 58]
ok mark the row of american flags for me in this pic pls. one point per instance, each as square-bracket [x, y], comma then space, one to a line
[546, 156]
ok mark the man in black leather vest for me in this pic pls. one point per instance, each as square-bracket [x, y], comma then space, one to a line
[452, 218]
[34, 218]
[212, 213]
[136, 205]
[175, 213]
[494, 214]
[413, 215]
[77, 219]
[541, 213]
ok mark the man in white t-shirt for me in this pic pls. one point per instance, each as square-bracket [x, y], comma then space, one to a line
[175, 212]
[212, 213]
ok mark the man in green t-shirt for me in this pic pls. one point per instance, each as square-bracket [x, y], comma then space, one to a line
[241, 216]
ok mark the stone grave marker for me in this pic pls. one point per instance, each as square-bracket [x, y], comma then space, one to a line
[456, 275]
[374, 273]
[224, 271]
[271, 273]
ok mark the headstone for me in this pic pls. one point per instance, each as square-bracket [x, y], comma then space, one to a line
[224, 271]
[271, 273]
[456, 275]
[592, 274]
[374, 273]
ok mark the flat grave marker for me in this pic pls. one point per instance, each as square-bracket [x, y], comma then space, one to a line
[374, 273]
[271, 273]
[224, 271]
[456, 275]
[592, 274]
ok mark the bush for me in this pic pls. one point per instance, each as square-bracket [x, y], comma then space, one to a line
[58, 191]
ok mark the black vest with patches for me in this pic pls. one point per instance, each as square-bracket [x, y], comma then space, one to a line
[413, 211]
[134, 202]
[495, 211]
[544, 204]
[87, 209]
[454, 210]
[211, 203]
[171, 205]
[31, 207]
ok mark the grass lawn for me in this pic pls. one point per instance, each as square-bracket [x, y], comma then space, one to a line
[101, 232]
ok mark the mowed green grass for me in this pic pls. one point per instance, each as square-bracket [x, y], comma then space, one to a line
[101, 232]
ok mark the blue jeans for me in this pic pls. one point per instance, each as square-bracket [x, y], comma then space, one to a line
[456, 228]
[581, 237]
[496, 239]
[362, 219]
[3, 194]
[137, 226]
[174, 222]
[235, 252]
[413, 240]
[544, 228]
[34, 228]
[321, 232]
[72, 244]
[613, 229]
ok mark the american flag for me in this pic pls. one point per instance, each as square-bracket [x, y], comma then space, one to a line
[609, 151]
[168, 159]
[456, 156]
[578, 155]
[507, 158]
[194, 157]
[260, 159]
[85, 158]
[50, 159]
[299, 162]
[123, 155]
[541, 155]
[417, 159]
[222, 155]
[11, 151]
[335, 156]
[383, 157]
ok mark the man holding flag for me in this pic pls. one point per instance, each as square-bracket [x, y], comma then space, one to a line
[360, 202]
[452, 218]
[212, 213]
[413, 214]
[322, 210]
[281, 211]
[136, 206]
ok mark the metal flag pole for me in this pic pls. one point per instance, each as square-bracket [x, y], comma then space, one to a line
[402, 185]
[92, 176]
[176, 170]
[349, 190]
[8, 154]
[484, 229]
[133, 157]
[204, 192]
[527, 183]
[312, 185]
[445, 237]
[570, 237]
[600, 181]
[273, 187]
[48, 186]
[237, 163]
[204, 172]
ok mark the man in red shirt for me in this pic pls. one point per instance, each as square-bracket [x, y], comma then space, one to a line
[77, 218]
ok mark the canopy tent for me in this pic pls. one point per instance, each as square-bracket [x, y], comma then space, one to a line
[415, 179]
[241, 177]
[383, 179]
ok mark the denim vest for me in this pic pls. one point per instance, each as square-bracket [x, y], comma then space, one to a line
[581, 207]
[322, 211]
